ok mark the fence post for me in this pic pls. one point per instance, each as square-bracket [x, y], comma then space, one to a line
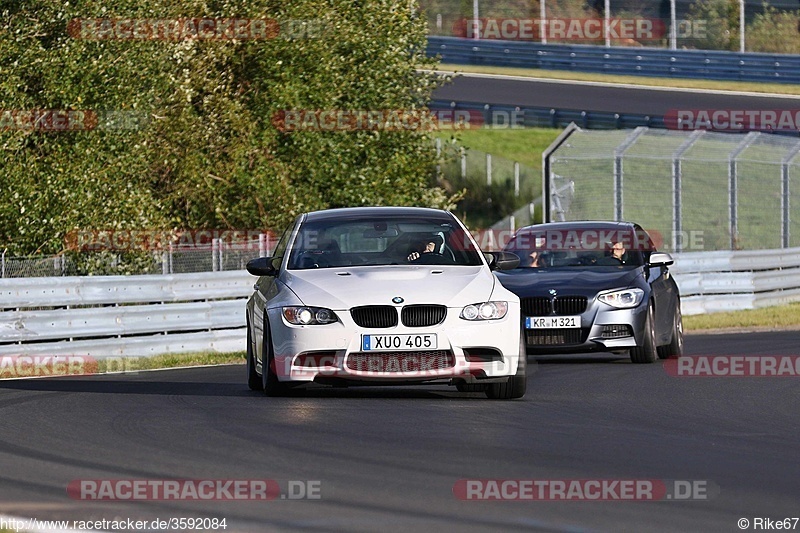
[214, 249]
[438, 143]
[786, 215]
[488, 169]
[543, 21]
[3, 263]
[677, 189]
[619, 153]
[463, 163]
[516, 178]
[733, 186]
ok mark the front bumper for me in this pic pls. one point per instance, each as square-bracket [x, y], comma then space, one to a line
[603, 328]
[333, 352]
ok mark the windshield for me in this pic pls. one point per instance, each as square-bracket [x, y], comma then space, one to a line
[384, 240]
[580, 247]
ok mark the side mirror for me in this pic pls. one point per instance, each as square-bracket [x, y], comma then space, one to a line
[660, 258]
[263, 266]
[502, 260]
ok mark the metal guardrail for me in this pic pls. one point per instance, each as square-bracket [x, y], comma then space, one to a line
[731, 280]
[150, 315]
[548, 117]
[124, 315]
[702, 64]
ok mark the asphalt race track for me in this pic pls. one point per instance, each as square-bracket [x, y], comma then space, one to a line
[388, 459]
[656, 101]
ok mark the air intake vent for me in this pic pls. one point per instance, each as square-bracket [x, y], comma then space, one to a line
[375, 316]
[553, 337]
[420, 316]
[401, 361]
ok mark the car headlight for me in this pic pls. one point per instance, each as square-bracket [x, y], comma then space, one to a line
[306, 316]
[485, 311]
[622, 299]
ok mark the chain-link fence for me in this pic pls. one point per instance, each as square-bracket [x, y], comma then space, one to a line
[695, 190]
[741, 25]
[218, 255]
[495, 185]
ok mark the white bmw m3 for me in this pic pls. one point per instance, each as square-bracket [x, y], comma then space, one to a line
[383, 296]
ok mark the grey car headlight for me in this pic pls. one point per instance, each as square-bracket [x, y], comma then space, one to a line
[306, 316]
[485, 311]
[622, 299]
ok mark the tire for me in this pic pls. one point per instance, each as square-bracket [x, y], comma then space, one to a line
[517, 384]
[646, 352]
[269, 379]
[675, 346]
[253, 379]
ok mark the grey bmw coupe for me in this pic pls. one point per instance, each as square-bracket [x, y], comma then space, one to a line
[595, 286]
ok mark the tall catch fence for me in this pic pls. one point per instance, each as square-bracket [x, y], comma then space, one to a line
[695, 191]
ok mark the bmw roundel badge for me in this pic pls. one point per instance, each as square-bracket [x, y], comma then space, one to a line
[397, 300]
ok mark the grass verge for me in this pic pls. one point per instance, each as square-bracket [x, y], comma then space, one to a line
[518, 144]
[756, 87]
[779, 316]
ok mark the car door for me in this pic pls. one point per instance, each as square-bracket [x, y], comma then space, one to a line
[665, 296]
[265, 288]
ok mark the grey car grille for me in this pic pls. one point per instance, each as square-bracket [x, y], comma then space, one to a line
[559, 305]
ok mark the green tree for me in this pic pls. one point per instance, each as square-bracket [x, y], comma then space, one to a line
[205, 152]
[774, 31]
[722, 24]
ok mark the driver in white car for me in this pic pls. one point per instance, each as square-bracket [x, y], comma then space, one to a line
[430, 245]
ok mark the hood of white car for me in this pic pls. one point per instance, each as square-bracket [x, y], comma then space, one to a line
[343, 288]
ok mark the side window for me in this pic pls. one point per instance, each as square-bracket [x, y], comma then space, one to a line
[280, 248]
